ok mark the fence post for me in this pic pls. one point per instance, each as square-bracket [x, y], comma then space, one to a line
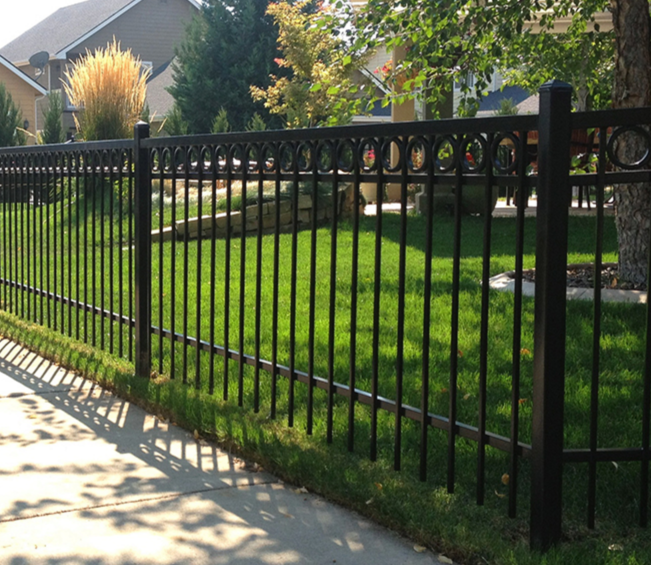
[554, 132]
[142, 220]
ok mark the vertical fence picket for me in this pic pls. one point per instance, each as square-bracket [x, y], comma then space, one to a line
[197, 359]
[312, 296]
[485, 303]
[516, 352]
[227, 266]
[213, 269]
[454, 322]
[258, 279]
[173, 182]
[142, 212]
[334, 163]
[403, 166]
[376, 163]
[186, 260]
[244, 166]
[427, 313]
[596, 332]
[121, 251]
[352, 399]
[276, 278]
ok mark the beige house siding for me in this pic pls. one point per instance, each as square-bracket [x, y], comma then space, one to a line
[146, 29]
[24, 96]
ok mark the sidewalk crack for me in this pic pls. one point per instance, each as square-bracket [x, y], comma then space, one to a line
[168, 496]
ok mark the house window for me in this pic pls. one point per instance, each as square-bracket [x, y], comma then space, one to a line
[69, 106]
[468, 80]
[146, 65]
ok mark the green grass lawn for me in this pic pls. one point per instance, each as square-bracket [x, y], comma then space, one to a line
[425, 511]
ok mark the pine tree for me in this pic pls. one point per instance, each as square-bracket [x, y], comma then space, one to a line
[221, 123]
[10, 119]
[53, 128]
[229, 47]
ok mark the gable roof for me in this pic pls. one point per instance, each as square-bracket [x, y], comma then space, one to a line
[20, 74]
[66, 28]
[159, 99]
[492, 101]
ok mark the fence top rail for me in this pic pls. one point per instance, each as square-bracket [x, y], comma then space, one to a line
[117, 144]
[445, 127]
[605, 118]
[421, 128]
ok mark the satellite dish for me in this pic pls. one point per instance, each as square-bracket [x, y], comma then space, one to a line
[39, 61]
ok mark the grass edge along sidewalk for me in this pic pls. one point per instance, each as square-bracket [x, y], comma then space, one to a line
[450, 524]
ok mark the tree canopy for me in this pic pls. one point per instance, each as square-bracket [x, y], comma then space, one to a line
[319, 90]
[229, 46]
[446, 40]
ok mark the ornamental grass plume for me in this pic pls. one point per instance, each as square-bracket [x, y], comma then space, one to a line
[108, 87]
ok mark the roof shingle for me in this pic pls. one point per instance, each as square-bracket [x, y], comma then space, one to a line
[62, 28]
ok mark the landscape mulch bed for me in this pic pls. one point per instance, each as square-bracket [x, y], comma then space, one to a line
[582, 276]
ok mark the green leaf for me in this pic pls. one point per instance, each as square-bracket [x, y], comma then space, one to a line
[316, 87]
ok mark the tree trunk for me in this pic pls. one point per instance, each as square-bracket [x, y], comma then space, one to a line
[632, 89]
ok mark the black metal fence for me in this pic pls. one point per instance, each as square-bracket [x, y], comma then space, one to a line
[228, 261]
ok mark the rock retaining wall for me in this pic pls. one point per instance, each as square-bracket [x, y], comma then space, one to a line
[203, 227]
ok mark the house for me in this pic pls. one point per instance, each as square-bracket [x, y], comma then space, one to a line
[150, 28]
[25, 92]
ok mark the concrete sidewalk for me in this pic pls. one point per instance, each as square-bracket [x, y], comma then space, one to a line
[88, 478]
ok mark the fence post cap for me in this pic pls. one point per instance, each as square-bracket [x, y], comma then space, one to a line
[141, 127]
[557, 85]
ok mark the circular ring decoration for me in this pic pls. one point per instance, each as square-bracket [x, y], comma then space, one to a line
[166, 160]
[305, 156]
[439, 144]
[286, 157]
[517, 150]
[468, 160]
[154, 159]
[124, 161]
[324, 156]
[252, 157]
[193, 155]
[220, 158]
[642, 161]
[346, 156]
[179, 160]
[88, 161]
[268, 158]
[386, 155]
[236, 158]
[421, 162]
[368, 152]
[205, 155]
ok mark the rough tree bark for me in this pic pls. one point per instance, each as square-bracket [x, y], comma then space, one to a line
[632, 89]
